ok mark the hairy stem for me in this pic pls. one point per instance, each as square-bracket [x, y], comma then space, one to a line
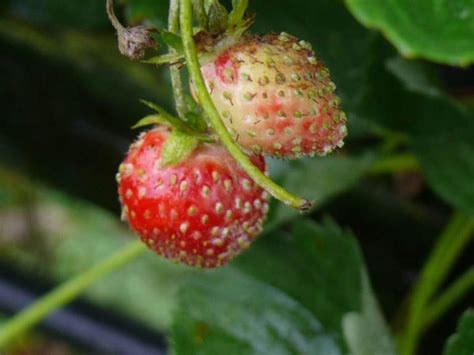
[192, 63]
[66, 292]
[173, 26]
[442, 258]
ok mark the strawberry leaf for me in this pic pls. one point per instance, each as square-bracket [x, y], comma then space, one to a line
[208, 320]
[178, 146]
[442, 140]
[305, 292]
[444, 33]
[462, 342]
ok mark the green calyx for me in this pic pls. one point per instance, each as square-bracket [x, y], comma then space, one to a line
[213, 17]
[178, 147]
[185, 136]
[238, 11]
[150, 120]
[194, 123]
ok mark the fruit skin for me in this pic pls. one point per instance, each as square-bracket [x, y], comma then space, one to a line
[275, 97]
[203, 211]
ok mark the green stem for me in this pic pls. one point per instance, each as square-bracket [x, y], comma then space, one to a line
[393, 141]
[394, 164]
[450, 243]
[215, 120]
[456, 291]
[66, 292]
[173, 26]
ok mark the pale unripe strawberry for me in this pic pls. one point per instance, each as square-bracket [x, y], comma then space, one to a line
[275, 97]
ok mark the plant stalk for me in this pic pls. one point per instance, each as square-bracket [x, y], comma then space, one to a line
[66, 292]
[177, 84]
[455, 292]
[399, 163]
[440, 262]
[226, 139]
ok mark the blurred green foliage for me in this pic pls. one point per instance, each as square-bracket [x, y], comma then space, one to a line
[68, 100]
[462, 342]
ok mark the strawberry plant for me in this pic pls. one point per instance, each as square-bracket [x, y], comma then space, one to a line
[297, 179]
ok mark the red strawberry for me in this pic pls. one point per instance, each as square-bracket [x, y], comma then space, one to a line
[202, 211]
[275, 97]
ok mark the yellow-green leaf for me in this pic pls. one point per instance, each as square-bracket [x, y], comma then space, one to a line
[441, 31]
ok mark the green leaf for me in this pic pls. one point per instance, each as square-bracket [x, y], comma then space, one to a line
[300, 292]
[210, 320]
[317, 179]
[171, 58]
[322, 267]
[441, 31]
[442, 134]
[416, 76]
[238, 12]
[149, 120]
[217, 16]
[178, 146]
[462, 342]
[172, 40]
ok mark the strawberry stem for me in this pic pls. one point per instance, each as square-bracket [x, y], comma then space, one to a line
[177, 84]
[397, 163]
[193, 66]
[450, 243]
[66, 292]
[453, 293]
